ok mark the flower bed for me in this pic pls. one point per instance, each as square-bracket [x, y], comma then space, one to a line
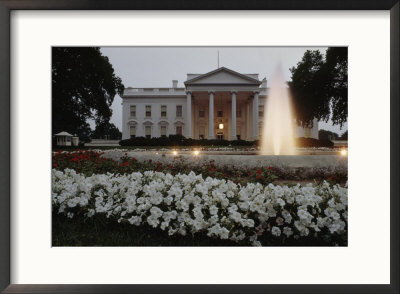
[93, 162]
[188, 204]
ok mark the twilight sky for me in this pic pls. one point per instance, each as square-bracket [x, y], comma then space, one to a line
[158, 66]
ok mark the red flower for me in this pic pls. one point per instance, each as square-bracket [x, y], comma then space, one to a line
[330, 178]
[258, 177]
[55, 165]
[259, 172]
[74, 159]
[125, 163]
[271, 168]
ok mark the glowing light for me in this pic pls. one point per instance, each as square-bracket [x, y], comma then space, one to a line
[221, 126]
[196, 152]
[343, 152]
[174, 152]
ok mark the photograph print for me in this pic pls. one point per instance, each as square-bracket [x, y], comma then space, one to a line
[199, 146]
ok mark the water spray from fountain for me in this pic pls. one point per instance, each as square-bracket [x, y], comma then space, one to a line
[278, 131]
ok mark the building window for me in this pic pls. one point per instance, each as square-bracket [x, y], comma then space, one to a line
[179, 111]
[202, 113]
[163, 110]
[220, 136]
[238, 131]
[260, 130]
[238, 113]
[163, 131]
[132, 132]
[220, 113]
[148, 110]
[133, 110]
[261, 110]
[147, 131]
[307, 133]
[179, 130]
[202, 132]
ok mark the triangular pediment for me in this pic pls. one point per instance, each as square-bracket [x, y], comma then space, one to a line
[223, 76]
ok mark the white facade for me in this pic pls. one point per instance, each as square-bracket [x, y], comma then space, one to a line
[220, 104]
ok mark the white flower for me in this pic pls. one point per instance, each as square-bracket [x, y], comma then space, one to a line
[276, 231]
[191, 204]
[213, 210]
[287, 231]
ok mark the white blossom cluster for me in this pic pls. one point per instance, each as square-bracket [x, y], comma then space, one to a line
[187, 204]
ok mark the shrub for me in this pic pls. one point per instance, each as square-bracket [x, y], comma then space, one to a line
[179, 140]
[311, 142]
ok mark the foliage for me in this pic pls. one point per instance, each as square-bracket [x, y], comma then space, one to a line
[319, 86]
[327, 135]
[106, 130]
[311, 142]
[83, 87]
[344, 136]
[178, 140]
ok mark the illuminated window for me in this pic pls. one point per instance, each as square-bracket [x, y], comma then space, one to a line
[202, 132]
[133, 110]
[163, 110]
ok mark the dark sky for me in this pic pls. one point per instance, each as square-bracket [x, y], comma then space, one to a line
[158, 66]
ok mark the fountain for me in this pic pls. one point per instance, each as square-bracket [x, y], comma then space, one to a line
[278, 134]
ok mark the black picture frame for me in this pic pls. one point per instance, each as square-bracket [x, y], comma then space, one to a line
[6, 6]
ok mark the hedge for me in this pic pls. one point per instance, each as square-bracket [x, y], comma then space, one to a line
[178, 140]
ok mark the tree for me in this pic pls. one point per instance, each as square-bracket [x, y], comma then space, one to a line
[327, 135]
[107, 131]
[83, 87]
[344, 136]
[319, 87]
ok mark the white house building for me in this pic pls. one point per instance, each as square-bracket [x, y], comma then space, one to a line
[221, 104]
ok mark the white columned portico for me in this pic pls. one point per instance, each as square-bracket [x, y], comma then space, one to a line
[255, 115]
[188, 114]
[233, 113]
[211, 115]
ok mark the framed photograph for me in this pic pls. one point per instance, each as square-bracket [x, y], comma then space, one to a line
[155, 147]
